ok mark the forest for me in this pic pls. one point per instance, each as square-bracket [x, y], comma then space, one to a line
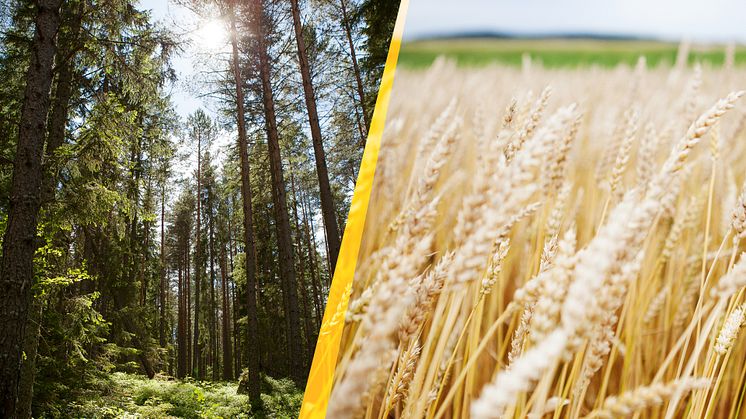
[164, 265]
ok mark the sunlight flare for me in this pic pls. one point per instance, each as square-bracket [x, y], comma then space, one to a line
[212, 35]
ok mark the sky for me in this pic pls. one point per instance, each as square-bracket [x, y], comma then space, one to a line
[204, 36]
[695, 20]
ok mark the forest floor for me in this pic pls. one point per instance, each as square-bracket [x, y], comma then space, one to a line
[136, 396]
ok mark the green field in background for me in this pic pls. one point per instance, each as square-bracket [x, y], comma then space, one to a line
[555, 52]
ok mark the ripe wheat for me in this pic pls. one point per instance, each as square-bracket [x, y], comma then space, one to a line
[567, 254]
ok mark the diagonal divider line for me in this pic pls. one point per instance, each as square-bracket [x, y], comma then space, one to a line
[321, 376]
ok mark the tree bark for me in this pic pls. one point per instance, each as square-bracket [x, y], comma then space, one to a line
[227, 349]
[307, 329]
[282, 222]
[188, 303]
[162, 287]
[122, 298]
[181, 338]
[236, 331]
[313, 240]
[248, 223]
[60, 108]
[57, 124]
[28, 369]
[325, 190]
[19, 243]
[143, 257]
[213, 306]
[196, 372]
[312, 266]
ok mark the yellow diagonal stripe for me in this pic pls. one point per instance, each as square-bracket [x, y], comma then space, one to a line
[321, 376]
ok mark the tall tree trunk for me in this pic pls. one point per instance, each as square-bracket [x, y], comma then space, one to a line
[57, 124]
[144, 253]
[19, 243]
[307, 329]
[355, 67]
[360, 125]
[282, 222]
[59, 113]
[188, 302]
[28, 369]
[162, 287]
[312, 266]
[133, 195]
[313, 237]
[236, 329]
[213, 306]
[143, 256]
[227, 349]
[252, 329]
[196, 372]
[123, 298]
[181, 338]
[325, 190]
[169, 327]
[237, 355]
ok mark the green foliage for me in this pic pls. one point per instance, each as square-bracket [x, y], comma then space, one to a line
[239, 270]
[380, 18]
[135, 396]
[281, 399]
[66, 364]
[72, 329]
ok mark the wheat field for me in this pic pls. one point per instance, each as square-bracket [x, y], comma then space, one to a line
[548, 243]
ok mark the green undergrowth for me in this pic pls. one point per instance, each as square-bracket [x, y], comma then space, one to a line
[135, 396]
